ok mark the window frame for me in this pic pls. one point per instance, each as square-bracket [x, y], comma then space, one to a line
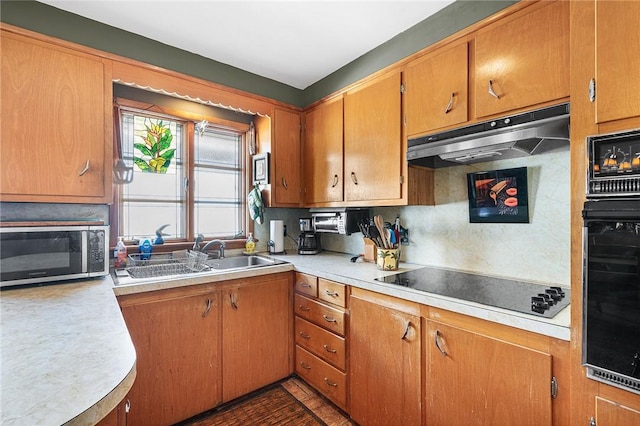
[190, 120]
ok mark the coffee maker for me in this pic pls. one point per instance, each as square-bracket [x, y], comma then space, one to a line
[308, 241]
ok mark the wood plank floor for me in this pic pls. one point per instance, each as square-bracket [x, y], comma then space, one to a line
[322, 408]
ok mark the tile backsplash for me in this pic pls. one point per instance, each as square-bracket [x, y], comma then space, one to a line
[442, 235]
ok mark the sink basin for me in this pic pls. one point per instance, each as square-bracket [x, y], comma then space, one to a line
[163, 266]
[239, 262]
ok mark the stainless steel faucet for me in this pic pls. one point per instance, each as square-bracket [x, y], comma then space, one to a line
[205, 249]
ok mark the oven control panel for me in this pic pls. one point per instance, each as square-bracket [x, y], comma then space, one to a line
[545, 301]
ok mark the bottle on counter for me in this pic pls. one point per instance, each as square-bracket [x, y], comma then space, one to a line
[120, 254]
[250, 245]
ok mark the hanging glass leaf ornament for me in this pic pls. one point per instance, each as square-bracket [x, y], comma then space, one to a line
[156, 148]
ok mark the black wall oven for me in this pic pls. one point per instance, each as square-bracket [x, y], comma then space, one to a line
[611, 266]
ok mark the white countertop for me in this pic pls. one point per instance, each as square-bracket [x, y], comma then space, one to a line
[337, 267]
[66, 353]
[67, 356]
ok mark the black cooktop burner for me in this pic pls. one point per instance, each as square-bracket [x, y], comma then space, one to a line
[519, 296]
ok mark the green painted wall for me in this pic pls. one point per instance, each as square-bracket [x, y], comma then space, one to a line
[48, 20]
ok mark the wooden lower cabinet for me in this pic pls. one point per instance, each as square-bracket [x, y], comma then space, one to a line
[473, 378]
[609, 413]
[177, 341]
[385, 356]
[200, 345]
[320, 336]
[257, 335]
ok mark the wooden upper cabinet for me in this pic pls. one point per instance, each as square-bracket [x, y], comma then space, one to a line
[617, 60]
[322, 167]
[286, 185]
[494, 382]
[372, 140]
[436, 93]
[56, 123]
[523, 60]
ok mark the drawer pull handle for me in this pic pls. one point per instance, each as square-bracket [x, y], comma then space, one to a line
[304, 335]
[303, 308]
[85, 169]
[331, 293]
[441, 344]
[232, 300]
[208, 308]
[328, 349]
[335, 385]
[284, 183]
[305, 366]
[490, 90]
[450, 104]
[406, 331]
[329, 319]
[335, 181]
[303, 284]
[354, 178]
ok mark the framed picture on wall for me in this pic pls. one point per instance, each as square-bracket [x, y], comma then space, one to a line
[261, 169]
[498, 196]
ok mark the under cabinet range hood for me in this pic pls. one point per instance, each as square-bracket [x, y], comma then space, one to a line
[530, 133]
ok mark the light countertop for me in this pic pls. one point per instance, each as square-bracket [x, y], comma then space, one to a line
[337, 267]
[67, 356]
[66, 353]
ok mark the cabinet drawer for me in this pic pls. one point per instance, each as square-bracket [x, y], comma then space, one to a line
[318, 313]
[306, 284]
[330, 381]
[321, 342]
[332, 292]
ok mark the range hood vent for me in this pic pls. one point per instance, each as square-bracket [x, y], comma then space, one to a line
[535, 132]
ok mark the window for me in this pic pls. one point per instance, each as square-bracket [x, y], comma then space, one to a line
[218, 183]
[195, 183]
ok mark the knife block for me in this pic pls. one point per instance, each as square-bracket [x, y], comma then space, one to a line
[369, 251]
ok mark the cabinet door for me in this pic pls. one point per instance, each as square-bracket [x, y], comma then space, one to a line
[372, 141]
[617, 60]
[524, 61]
[609, 413]
[54, 123]
[257, 336]
[384, 364]
[436, 90]
[178, 361]
[494, 382]
[286, 152]
[323, 171]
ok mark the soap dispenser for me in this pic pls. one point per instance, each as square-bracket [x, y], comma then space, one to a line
[250, 245]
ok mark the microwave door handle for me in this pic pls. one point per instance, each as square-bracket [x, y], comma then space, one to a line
[85, 251]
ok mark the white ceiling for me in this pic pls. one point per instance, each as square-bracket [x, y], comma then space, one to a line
[293, 42]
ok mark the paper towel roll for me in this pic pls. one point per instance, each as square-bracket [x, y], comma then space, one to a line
[277, 235]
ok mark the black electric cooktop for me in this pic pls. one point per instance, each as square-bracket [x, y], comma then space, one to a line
[519, 296]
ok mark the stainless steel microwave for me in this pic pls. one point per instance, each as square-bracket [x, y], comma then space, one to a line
[42, 254]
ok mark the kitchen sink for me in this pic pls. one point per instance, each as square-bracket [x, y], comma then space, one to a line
[193, 263]
[239, 262]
